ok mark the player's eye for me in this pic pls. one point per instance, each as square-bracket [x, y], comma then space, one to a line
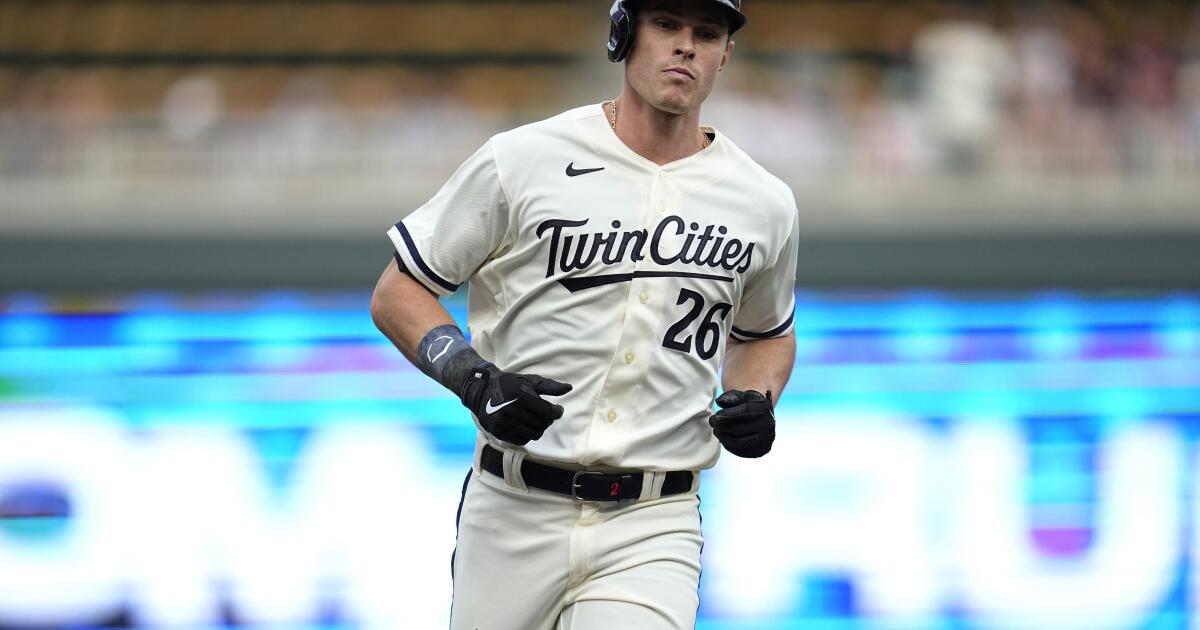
[665, 24]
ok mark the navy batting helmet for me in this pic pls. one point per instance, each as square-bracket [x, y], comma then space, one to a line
[620, 33]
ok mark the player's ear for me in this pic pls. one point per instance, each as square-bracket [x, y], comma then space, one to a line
[728, 53]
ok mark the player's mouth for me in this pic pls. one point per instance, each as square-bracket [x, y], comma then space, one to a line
[679, 72]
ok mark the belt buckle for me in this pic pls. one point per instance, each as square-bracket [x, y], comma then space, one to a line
[575, 485]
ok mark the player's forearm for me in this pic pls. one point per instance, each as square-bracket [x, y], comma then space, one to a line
[404, 311]
[507, 405]
[762, 365]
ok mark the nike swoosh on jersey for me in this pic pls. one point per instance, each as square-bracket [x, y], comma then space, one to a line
[489, 409]
[446, 347]
[575, 172]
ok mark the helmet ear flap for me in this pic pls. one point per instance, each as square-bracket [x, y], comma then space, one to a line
[620, 32]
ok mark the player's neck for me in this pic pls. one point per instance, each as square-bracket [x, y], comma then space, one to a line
[658, 136]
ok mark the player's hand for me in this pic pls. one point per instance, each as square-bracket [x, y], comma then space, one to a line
[509, 405]
[745, 425]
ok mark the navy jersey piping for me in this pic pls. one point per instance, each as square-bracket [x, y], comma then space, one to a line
[425, 269]
[774, 332]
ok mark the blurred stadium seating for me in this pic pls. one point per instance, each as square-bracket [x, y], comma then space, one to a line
[1039, 135]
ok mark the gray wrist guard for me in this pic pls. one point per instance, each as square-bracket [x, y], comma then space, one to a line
[445, 356]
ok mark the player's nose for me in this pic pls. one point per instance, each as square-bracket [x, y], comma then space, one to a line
[683, 43]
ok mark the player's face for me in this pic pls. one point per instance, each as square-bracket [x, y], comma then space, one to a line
[679, 48]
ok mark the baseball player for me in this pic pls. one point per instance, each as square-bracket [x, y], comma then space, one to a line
[623, 263]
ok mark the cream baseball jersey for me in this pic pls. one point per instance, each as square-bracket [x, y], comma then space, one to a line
[592, 265]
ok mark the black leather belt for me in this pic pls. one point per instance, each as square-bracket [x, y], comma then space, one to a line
[585, 485]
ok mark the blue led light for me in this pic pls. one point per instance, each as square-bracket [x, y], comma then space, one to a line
[282, 368]
[25, 331]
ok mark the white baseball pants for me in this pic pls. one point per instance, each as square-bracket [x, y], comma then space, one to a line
[528, 559]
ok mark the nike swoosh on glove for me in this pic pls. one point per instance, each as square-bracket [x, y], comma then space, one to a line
[510, 405]
[745, 425]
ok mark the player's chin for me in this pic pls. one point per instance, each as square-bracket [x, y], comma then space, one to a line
[676, 102]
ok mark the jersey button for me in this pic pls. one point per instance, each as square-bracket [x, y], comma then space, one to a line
[612, 416]
[663, 175]
[643, 297]
[628, 358]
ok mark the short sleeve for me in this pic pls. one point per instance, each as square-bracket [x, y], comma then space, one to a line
[445, 241]
[769, 301]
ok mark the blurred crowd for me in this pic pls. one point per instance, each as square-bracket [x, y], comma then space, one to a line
[1054, 92]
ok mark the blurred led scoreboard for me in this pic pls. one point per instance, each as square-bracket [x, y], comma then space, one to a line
[945, 461]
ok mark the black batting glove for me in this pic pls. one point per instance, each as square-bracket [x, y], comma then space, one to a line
[509, 405]
[745, 425]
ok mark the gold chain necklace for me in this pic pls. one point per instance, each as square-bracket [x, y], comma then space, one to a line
[611, 108]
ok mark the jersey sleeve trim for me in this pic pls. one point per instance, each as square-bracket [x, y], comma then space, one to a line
[746, 335]
[404, 270]
[408, 250]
